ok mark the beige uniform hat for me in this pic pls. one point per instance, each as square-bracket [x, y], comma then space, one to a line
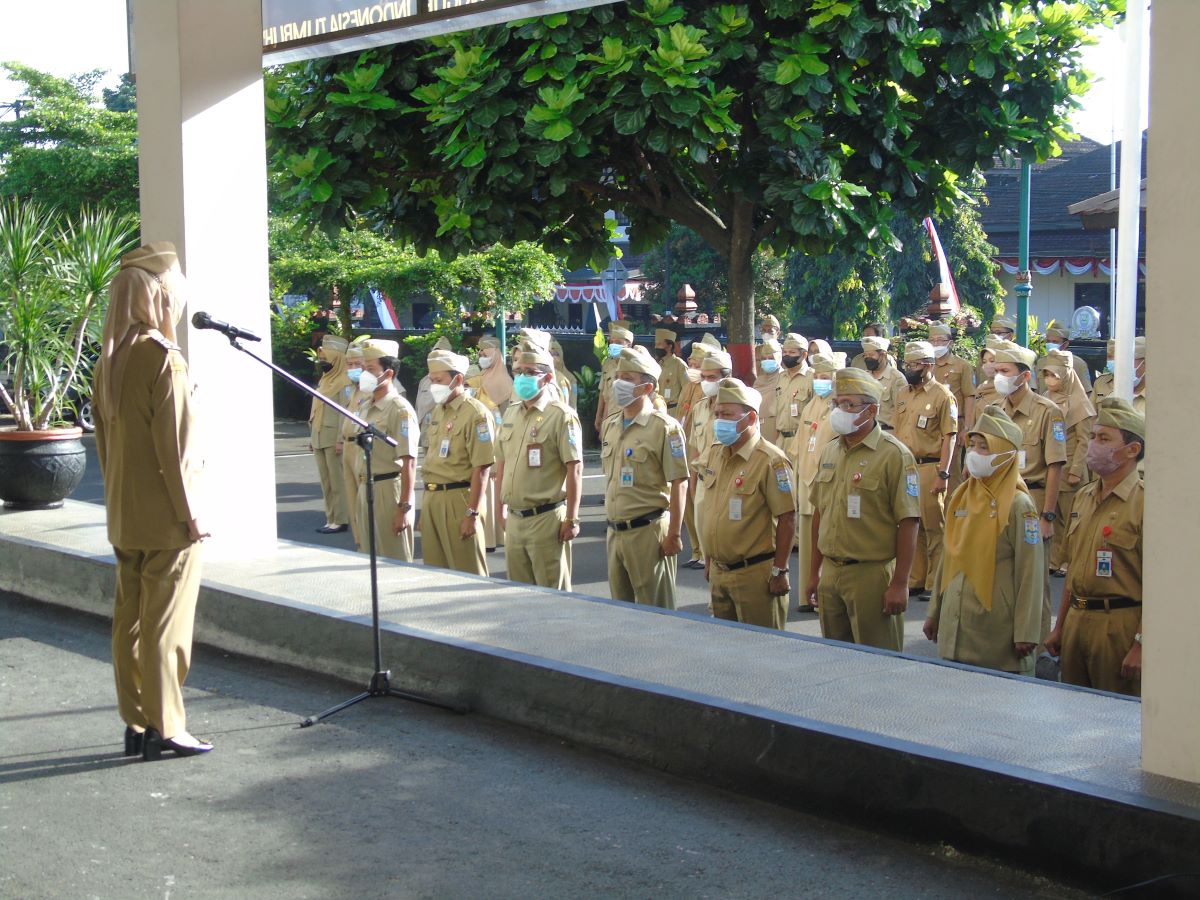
[662, 334]
[620, 334]
[875, 343]
[535, 337]
[857, 381]
[918, 351]
[768, 349]
[488, 342]
[793, 341]
[730, 390]
[825, 363]
[1055, 359]
[770, 322]
[710, 341]
[376, 348]
[1015, 353]
[1057, 333]
[334, 343]
[442, 344]
[699, 351]
[354, 351]
[1117, 413]
[1005, 323]
[638, 359]
[533, 355]
[716, 362]
[937, 329]
[995, 421]
[446, 361]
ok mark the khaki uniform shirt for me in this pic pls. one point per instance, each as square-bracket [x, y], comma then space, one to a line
[1103, 387]
[671, 383]
[924, 415]
[958, 375]
[536, 444]
[640, 462]
[147, 449]
[766, 385]
[1045, 433]
[354, 402]
[892, 383]
[691, 395]
[395, 417]
[792, 393]
[459, 439]
[475, 385]
[985, 395]
[746, 491]
[1121, 511]
[568, 387]
[699, 432]
[608, 371]
[815, 435]
[862, 495]
[329, 431]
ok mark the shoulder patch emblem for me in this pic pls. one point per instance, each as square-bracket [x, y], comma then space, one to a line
[1033, 530]
[783, 479]
[676, 442]
[1060, 431]
[954, 410]
[912, 484]
[483, 433]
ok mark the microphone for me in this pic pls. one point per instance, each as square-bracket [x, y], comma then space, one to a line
[204, 320]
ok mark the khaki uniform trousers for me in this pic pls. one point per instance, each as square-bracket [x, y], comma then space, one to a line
[152, 634]
[388, 544]
[1058, 547]
[1038, 496]
[927, 560]
[637, 572]
[1094, 645]
[689, 522]
[850, 605]
[742, 596]
[492, 535]
[442, 513]
[350, 453]
[329, 468]
[804, 525]
[533, 551]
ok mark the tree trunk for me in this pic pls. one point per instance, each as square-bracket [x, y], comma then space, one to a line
[740, 317]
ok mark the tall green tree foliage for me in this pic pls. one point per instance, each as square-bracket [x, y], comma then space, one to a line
[790, 124]
[66, 150]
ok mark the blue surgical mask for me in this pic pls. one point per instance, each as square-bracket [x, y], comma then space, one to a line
[526, 386]
[822, 387]
[354, 374]
[1110, 366]
[770, 366]
[1050, 348]
[614, 350]
[726, 430]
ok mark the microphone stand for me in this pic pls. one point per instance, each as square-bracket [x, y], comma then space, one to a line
[380, 684]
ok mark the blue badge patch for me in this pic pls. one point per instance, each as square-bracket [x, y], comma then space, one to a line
[676, 442]
[1060, 431]
[483, 433]
[404, 427]
[954, 411]
[572, 435]
[1033, 530]
[912, 484]
[783, 479]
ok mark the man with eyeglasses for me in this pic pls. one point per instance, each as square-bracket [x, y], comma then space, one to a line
[865, 522]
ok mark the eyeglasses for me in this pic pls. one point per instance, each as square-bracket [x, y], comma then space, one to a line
[849, 406]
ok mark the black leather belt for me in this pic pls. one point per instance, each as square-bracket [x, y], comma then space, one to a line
[639, 522]
[885, 426]
[745, 563]
[449, 486]
[537, 510]
[386, 476]
[1105, 603]
[787, 434]
[925, 460]
[1036, 485]
[842, 562]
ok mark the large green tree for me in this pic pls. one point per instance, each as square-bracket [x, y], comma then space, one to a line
[65, 148]
[792, 124]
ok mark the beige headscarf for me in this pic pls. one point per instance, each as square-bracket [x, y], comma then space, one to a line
[1071, 396]
[495, 380]
[332, 383]
[147, 296]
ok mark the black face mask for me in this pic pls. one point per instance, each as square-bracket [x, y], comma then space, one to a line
[326, 366]
[872, 364]
[790, 362]
[659, 353]
[914, 378]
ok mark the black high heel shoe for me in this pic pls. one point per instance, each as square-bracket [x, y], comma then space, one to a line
[133, 741]
[154, 744]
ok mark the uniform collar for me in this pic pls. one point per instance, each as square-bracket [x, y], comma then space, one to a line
[1027, 402]
[391, 392]
[456, 402]
[641, 418]
[541, 401]
[747, 448]
[871, 441]
[1125, 488]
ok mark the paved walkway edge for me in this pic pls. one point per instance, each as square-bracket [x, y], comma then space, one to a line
[1036, 818]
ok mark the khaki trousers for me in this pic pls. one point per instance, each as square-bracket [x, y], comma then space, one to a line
[1058, 547]
[388, 544]
[928, 558]
[1094, 645]
[533, 551]
[689, 522]
[350, 454]
[850, 605]
[804, 539]
[637, 572]
[152, 634]
[442, 513]
[488, 515]
[1038, 496]
[329, 468]
[743, 596]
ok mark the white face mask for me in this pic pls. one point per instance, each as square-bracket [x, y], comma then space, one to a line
[439, 392]
[367, 382]
[984, 465]
[939, 352]
[1006, 384]
[710, 388]
[694, 376]
[485, 362]
[624, 392]
[845, 422]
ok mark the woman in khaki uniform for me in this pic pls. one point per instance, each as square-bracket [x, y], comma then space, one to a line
[692, 395]
[145, 440]
[986, 608]
[1063, 386]
[493, 387]
[568, 384]
[350, 450]
[769, 356]
[326, 432]
[815, 433]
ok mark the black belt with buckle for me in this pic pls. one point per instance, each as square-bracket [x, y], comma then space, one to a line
[926, 460]
[1105, 603]
[745, 563]
[386, 476]
[538, 510]
[842, 562]
[639, 522]
[1036, 485]
[787, 434]
[449, 486]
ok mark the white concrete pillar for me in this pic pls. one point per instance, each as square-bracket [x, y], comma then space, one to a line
[1171, 619]
[201, 128]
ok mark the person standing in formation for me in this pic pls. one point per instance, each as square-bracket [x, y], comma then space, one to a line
[876, 360]
[460, 442]
[957, 374]
[769, 355]
[645, 468]
[692, 395]
[750, 522]
[986, 606]
[1063, 386]
[874, 330]
[770, 329]
[493, 388]
[619, 337]
[1058, 338]
[325, 429]
[793, 391]
[564, 378]
[146, 442]
[539, 466]
[674, 370]
[815, 434]
[716, 367]
[348, 447]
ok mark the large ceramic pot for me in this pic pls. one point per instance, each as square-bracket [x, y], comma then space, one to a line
[39, 469]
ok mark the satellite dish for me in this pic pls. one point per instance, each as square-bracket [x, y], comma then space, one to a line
[1085, 323]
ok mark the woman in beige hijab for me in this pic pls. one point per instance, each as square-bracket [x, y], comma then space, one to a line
[145, 440]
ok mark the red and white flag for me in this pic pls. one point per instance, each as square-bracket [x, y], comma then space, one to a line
[939, 254]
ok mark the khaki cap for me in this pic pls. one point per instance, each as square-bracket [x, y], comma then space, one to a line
[699, 351]
[662, 334]
[376, 348]
[442, 344]
[1015, 353]
[716, 362]
[488, 342]
[334, 343]
[638, 359]
[354, 351]
[992, 342]
[446, 361]
[1056, 359]
[770, 322]
[710, 340]
[875, 343]
[996, 422]
[535, 336]
[937, 329]
[1005, 323]
[857, 381]
[1117, 413]
[533, 355]
[825, 363]
[1057, 333]
[730, 390]
[793, 341]
[620, 334]
[918, 351]
[768, 348]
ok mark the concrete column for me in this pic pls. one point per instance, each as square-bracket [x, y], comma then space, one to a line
[1171, 620]
[201, 127]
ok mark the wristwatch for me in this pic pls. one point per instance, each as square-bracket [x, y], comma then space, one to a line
[472, 513]
[776, 572]
[404, 507]
[1138, 638]
[945, 476]
[1049, 516]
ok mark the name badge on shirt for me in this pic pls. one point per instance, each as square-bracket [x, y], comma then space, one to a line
[666, 393]
[735, 509]
[922, 421]
[1104, 564]
[1020, 459]
[795, 409]
[626, 476]
[444, 448]
[853, 506]
[534, 455]
[812, 444]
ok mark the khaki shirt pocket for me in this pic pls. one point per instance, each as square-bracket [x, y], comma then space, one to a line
[607, 455]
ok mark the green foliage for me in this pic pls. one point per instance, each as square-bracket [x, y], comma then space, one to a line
[793, 124]
[66, 151]
[54, 278]
[588, 392]
[292, 329]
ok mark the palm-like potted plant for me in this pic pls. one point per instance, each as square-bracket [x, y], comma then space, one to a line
[54, 278]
